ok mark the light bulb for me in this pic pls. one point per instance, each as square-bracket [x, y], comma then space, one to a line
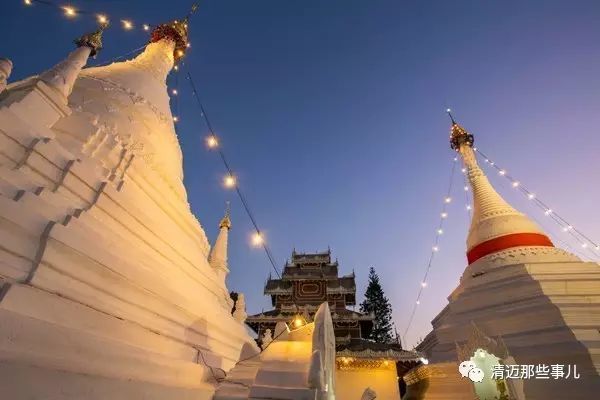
[174, 91]
[28, 2]
[502, 172]
[468, 207]
[297, 322]
[146, 27]
[448, 199]
[229, 181]
[176, 68]
[175, 119]
[466, 188]
[423, 284]
[435, 248]
[424, 360]
[531, 196]
[212, 142]
[463, 170]
[455, 158]
[257, 239]
[188, 45]
[515, 184]
[127, 24]
[444, 215]
[102, 19]
[69, 11]
[180, 53]
[418, 302]
[548, 211]
[440, 231]
[448, 110]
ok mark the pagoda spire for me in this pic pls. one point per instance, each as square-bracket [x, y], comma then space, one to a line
[63, 75]
[218, 254]
[495, 225]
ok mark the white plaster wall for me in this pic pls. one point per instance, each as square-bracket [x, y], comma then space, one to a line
[350, 384]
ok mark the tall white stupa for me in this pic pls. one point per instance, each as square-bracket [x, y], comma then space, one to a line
[108, 287]
[520, 301]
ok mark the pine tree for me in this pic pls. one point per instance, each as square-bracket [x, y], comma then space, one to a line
[375, 302]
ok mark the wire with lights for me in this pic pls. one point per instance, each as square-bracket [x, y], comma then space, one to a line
[72, 12]
[584, 241]
[434, 249]
[230, 181]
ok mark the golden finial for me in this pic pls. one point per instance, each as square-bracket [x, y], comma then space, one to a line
[226, 221]
[93, 40]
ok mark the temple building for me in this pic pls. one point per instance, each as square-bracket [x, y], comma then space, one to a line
[520, 302]
[308, 280]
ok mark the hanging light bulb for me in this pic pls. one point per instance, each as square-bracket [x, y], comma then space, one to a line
[448, 199]
[229, 181]
[146, 27]
[468, 207]
[175, 119]
[584, 245]
[435, 248]
[69, 11]
[466, 188]
[257, 239]
[515, 184]
[423, 284]
[174, 91]
[180, 53]
[424, 360]
[418, 302]
[464, 170]
[27, 2]
[188, 45]
[128, 25]
[444, 215]
[440, 231]
[548, 211]
[212, 142]
[102, 19]
[531, 196]
[502, 172]
[176, 68]
[455, 158]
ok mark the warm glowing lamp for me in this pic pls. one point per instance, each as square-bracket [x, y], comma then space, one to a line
[257, 239]
[229, 181]
[69, 11]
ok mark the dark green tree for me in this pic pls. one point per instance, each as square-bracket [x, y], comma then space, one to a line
[375, 302]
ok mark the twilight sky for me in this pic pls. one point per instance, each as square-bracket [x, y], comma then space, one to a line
[332, 115]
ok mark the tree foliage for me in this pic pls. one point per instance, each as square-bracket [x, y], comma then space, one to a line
[375, 302]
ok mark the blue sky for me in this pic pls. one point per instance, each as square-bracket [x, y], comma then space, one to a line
[332, 116]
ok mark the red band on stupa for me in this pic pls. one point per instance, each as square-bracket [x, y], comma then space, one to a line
[506, 242]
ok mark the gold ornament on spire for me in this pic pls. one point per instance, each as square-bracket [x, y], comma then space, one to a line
[459, 135]
[92, 40]
[177, 31]
[226, 221]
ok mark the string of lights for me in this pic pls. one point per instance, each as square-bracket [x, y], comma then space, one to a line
[434, 249]
[584, 241]
[101, 18]
[230, 181]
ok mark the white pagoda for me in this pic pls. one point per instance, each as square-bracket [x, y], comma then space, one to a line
[109, 289]
[520, 301]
